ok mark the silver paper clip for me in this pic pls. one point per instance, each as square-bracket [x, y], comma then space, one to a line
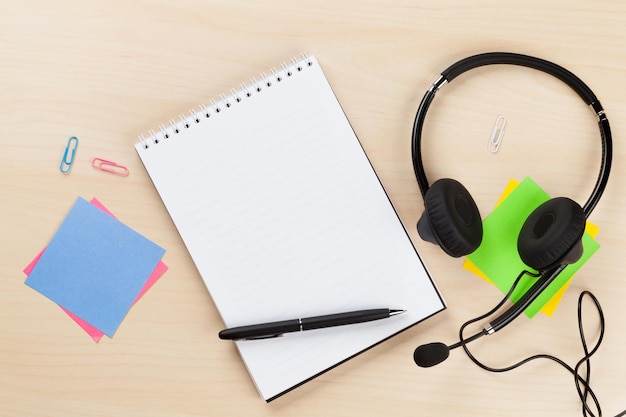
[497, 134]
[109, 166]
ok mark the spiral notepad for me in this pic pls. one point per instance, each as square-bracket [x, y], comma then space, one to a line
[284, 217]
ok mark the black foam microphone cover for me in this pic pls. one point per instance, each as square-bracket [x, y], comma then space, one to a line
[431, 354]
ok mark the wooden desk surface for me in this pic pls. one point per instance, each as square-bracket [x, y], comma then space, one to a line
[109, 71]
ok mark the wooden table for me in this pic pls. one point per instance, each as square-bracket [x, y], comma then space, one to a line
[107, 72]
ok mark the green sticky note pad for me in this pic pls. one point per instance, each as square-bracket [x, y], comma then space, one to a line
[497, 255]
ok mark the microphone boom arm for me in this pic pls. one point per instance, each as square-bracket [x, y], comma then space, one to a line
[545, 279]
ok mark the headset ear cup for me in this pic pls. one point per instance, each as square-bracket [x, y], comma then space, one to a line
[451, 218]
[552, 234]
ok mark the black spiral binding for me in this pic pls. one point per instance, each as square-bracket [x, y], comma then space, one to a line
[255, 86]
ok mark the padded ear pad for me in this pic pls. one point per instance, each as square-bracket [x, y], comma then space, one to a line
[551, 233]
[453, 217]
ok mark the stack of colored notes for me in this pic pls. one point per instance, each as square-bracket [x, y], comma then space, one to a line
[497, 260]
[95, 268]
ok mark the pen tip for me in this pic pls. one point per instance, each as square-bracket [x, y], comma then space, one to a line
[395, 312]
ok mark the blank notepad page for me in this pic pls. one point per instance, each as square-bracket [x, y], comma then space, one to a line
[284, 217]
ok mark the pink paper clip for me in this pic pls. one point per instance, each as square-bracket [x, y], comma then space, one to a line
[109, 166]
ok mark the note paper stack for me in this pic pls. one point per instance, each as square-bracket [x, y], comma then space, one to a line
[497, 259]
[95, 267]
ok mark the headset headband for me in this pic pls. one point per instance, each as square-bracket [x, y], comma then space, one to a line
[507, 58]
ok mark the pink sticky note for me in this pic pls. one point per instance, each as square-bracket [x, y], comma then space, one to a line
[96, 334]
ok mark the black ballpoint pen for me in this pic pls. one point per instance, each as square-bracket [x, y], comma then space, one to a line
[277, 328]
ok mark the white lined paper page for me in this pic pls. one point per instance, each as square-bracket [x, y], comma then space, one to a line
[284, 217]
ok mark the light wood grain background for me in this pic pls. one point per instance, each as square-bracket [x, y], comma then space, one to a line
[108, 71]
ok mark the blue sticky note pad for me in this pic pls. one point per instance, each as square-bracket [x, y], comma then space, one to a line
[95, 266]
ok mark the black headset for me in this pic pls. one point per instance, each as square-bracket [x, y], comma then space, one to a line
[549, 239]
[551, 236]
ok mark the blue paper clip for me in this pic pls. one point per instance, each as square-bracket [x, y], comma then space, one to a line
[66, 164]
